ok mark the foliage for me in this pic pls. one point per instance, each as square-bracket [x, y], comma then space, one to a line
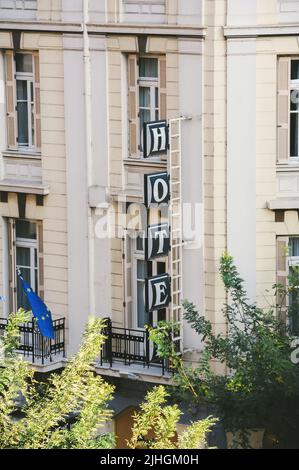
[10, 339]
[261, 385]
[35, 415]
[14, 373]
[161, 337]
[46, 408]
[155, 426]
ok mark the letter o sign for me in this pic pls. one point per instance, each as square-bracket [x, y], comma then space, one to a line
[156, 189]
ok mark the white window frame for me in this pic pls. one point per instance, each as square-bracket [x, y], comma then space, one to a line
[138, 255]
[291, 261]
[29, 78]
[293, 85]
[32, 244]
[153, 84]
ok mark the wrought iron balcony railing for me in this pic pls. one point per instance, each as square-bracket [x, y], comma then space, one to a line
[129, 347]
[34, 346]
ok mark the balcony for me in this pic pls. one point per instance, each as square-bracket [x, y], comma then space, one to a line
[38, 350]
[128, 348]
[18, 9]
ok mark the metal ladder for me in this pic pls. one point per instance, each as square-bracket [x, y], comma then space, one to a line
[176, 225]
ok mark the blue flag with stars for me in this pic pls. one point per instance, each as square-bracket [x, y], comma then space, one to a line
[39, 310]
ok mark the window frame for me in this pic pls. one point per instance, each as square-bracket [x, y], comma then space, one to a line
[290, 261]
[29, 78]
[293, 85]
[138, 255]
[32, 245]
[153, 83]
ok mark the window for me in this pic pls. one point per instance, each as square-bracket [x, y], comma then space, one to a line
[26, 259]
[141, 270]
[294, 109]
[288, 270]
[23, 101]
[146, 98]
[25, 253]
[148, 92]
[294, 276]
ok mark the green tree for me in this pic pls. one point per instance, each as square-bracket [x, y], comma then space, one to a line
[156, 424]
[47, 406]
[261, 386]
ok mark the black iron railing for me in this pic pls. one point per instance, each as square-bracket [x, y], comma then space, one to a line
[33, 345]
[130, 346]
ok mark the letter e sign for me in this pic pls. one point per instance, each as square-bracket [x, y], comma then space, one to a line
[157, 292]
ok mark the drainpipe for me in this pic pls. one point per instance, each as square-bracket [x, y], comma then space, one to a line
[88, 150]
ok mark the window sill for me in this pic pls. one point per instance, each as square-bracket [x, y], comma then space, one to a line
[288, 168]
[30, 154]
[283, 203]
[15, 186]
[145, 162]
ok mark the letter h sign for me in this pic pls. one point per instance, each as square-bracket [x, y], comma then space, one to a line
[155, 138]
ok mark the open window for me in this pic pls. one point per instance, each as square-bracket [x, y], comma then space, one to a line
[141, 270]
[146, 96]
[288, 269]
[25, 253]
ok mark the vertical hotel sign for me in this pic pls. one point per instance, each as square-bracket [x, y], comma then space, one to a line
[157, 237]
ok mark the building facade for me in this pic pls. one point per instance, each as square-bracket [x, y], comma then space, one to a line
[78, 80]
[262, 158]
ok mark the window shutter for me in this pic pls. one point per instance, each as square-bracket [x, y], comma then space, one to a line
[133, 105]
[12, 264]
[40, 259]
[283, 100]
[127, 265]
[10, 100]
[37, 117]
[282, 272]
[162, 88]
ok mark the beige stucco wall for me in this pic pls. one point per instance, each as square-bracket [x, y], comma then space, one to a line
[53, 213]
[267, 11]
[49, 10]
[268, 50]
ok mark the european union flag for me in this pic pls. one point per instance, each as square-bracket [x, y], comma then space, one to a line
[39, 310]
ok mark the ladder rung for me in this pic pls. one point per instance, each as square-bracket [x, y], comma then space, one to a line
[178, 276]
[176, 167]
[176, 292]
[176, 261]
[175, 183]
[179, 245]
[176, 214]
[173, 136]
[176, 199]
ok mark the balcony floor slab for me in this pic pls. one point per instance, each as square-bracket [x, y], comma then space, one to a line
[135, 372]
